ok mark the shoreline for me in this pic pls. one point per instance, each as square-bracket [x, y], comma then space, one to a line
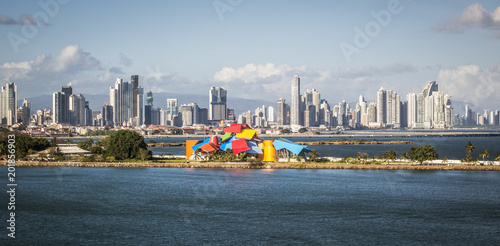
[270, 166]
[349, 133]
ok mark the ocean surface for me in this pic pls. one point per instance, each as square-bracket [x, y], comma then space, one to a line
[450, 147]
[174, 206]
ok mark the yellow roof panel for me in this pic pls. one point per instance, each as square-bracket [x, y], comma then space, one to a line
[246, 134]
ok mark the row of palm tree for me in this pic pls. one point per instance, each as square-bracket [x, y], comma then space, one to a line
[470, 148]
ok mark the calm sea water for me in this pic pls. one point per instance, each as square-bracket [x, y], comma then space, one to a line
[450, 147]
[154, 206]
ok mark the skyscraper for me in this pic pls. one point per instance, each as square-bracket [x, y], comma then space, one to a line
[325, 114]
[148, 109]
[342, 117]
[217, 108]
[107, 115]
[172, 108]
[27, 112]
[295, 105]
[411, 110]
[172, 112]
[281, 112]
[8, 104]
[270, 114]
[122, 100]
[149, 98]
[77, 109]
[139, 106]
[381, 106]
[134, 80]
[60, 108]
[190, 114]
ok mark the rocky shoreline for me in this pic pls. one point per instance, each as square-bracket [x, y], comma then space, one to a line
[243, 165]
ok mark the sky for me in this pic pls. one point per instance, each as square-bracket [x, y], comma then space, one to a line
[253, 48]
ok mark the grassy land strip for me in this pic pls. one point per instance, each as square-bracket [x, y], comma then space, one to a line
[179, 164]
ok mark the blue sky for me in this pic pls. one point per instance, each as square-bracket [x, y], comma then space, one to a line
[253, 48]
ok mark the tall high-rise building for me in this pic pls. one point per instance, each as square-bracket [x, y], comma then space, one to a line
[88, 118]
[148, 115]
[316, 100]
[60, 110]
[139, 106]
[411, 110]
[388, 108]
[270, 114]
[309, 115]
[172, 112]
[189, 114]
[122, 100]
[76, 106]
[8, 104]
[381, 106]
[281, 112]
[363, 107]
[172, 107]
[325, 114]
[393, 109]
[27, 112]
[107, 115]
[134, 79]
[68, 90]
[429, 88]
[404, 114]
[430, 109]
[295, 101]
[155, 116]
[149, 98]
[372, 114]
[217, 108]
[342, 117]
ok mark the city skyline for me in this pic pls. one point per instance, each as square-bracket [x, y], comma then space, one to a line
[454, 44]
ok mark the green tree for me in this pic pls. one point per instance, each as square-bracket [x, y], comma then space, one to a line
[285, 131]
[422, 153]
[125, 145]
[484, 154]
[86, 144]
[470, 148]
[389, 155]
[145, 154]
[498, 157]
[103, 143]
[314, 155]
[24, 144]
[53, 142]
[176, 131]
[445, 160]
[302, 130]
[96, 150]
[405, 156]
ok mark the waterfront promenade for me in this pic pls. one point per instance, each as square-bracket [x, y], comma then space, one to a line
[451, 165]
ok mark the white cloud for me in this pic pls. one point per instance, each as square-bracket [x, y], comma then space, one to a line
[73, 59]
[270, 81]
[471, 84]
[252, 73]
[474, 16]
[45, 74]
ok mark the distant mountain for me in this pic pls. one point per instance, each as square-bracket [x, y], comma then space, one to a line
[239, 105]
